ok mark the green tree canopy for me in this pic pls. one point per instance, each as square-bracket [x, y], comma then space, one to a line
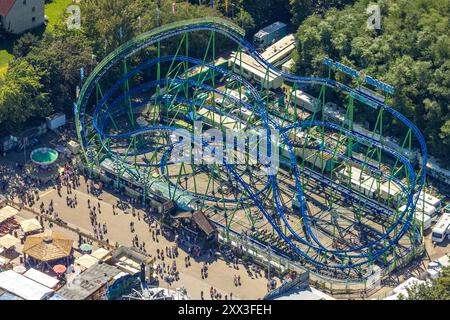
[411, 52]
[438, 290]
[22, 97]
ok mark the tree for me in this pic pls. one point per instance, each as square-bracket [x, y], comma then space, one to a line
[60, 56]
[110, 23]
[438, 290]
[265, 12]
[51, 65]
[22, 97]
[410, 52]
[24, 44]
[301, 9]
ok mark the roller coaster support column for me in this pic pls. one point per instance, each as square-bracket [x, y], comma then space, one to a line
[213, 35]
[186, 64]
[127, 92]
[158, 88]
[144, 180]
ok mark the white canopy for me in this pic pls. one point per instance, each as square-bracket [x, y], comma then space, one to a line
[41, 278]
[23, 287]
[86, 261]
[8, 212]
[8, 241]
[100, 253]
[30, 225]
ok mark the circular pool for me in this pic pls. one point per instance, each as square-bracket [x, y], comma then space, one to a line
[44, 156]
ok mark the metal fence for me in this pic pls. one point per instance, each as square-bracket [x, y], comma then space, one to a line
[270, 260]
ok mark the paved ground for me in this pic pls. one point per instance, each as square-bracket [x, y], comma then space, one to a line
[220, 274]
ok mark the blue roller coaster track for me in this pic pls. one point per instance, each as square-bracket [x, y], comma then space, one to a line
[104, 111]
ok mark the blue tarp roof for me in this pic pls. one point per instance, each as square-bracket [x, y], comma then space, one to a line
[9, 296]
[57, 297]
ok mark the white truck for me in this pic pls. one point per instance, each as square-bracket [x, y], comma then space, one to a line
[442, 229]
[269, 35]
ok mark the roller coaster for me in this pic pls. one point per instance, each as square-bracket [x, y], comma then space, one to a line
[331, 205]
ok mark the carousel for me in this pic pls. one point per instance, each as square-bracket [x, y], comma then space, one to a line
[42, 166]
[47, 249]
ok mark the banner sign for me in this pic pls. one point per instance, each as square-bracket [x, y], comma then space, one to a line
[359, 75]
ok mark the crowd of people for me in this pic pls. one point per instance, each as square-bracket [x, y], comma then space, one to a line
[166, 270]
[16, 185]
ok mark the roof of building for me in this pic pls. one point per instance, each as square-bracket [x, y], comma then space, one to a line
[289, 64]
[7, 212]
[5, 6]
[155, 185]
[23, 287]
[48, 246]
[88, 282]
[101, 254]
[56, 297]
[130, 253]
[7, 296]
[42, 278]
[86, 261]
[248, 63]
[280, 49]
[407, 284]
[300, 294]
[271, 28]
[203, 222]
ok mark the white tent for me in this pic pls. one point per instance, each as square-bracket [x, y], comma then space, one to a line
[8, 212]
[100, 253]
[8, 241]
[86, 261]
[41, 278]
[23, 287]
[30, 225]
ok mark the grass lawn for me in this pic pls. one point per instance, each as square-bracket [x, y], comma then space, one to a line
[55, 11]
[5, 55]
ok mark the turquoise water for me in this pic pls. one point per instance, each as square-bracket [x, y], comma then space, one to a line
[47, 156]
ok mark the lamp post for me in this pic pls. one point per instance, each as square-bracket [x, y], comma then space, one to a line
[158, 14]
[93, 57]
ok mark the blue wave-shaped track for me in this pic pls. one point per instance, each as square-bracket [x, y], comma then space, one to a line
[365, 253]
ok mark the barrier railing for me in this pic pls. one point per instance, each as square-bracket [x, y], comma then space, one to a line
[262, 255]
[300, 282]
